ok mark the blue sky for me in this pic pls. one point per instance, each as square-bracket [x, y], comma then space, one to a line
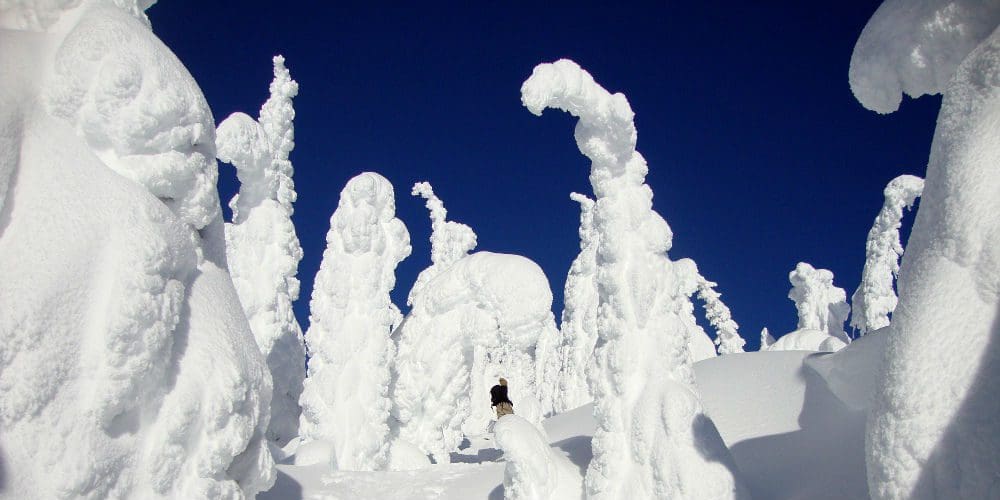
[759, 155]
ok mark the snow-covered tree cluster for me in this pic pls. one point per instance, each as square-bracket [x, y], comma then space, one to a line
[261, 245]
[151, 350]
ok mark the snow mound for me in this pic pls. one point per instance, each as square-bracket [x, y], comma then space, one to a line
[533, 469]
[850, 371]
[915, 47]
[807, 339]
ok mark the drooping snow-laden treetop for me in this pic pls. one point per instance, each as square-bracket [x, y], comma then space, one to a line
[667, 454]
[450, 240]
[717, 312]
[933, 431]
[915, 46]
[875, 297]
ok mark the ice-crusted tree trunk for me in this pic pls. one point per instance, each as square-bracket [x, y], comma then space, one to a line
[933, 430]
[875, 297]
[821, 305]
[653, 439]
[261, 244]
[579, 318]
[128, 368]
[345, 401]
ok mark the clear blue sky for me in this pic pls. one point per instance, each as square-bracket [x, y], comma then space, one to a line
[759, 155]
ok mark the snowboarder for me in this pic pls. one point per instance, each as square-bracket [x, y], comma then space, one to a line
[498, 394]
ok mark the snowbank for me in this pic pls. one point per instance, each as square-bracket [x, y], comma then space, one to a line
[533, 470]
[346, 397]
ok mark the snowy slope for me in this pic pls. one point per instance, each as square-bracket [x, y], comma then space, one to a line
[790, 435]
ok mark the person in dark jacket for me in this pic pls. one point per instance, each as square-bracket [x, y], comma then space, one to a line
[502, 404]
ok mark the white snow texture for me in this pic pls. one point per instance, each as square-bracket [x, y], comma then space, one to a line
[653, 438]
[533, 470]
[821, 305]
[875, 297]
[915, 46]
[262, 248]
[127, 368]
[934, 429]
[346, 397]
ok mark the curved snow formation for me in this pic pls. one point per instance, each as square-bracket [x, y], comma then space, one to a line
[727, 335]
[261, 244]
[875, 298]
[807, 339]
[934, 430]
[915, 47]
[127, 368]
[686, 282]
[450, 240]
[821, 305]
[346, 396]
[653, 439]
[477, 320]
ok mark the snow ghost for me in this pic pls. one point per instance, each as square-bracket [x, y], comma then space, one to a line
[346, 397]
[653, 438]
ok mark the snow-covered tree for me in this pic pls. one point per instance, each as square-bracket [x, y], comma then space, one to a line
[474, 318]
[579, 318]
[531, 469]
[933, 430]
[765, 339]
[686, 281]
[128, 368]
[450, 240]
[345, 401]
[653, 438]
[727, 335]
[261, 245]
[821, 305]
[875, 297]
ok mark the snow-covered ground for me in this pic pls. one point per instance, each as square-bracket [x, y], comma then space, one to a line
[790, 435]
